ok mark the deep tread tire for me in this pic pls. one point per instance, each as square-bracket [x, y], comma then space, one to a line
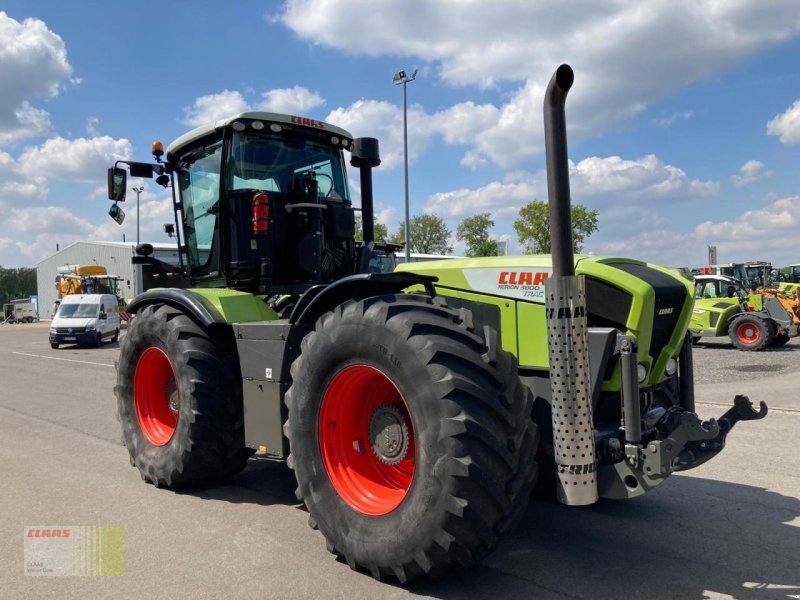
[208, 443]
[764, 332]
[475, 441]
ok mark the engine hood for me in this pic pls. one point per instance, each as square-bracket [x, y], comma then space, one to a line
[647, 301]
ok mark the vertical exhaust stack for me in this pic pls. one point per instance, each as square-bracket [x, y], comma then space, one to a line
[366, 156]
[565, 303]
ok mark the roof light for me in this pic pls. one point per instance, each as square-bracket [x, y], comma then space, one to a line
[275, 128]
[257, 125]
[345, 143]
[238, 126]
[334, 140]
[157, 148]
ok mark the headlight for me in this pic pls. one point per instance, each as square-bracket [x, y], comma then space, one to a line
[90, 327]
[641, 371]
[53, 331]
[672, 367]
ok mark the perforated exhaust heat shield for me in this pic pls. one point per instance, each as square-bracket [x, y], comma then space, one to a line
[573, 429]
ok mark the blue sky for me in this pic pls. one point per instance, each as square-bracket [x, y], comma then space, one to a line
[684, 120]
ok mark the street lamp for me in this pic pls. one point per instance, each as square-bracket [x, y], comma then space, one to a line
[138, 191]
[404, 78]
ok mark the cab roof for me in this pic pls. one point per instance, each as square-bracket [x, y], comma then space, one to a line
[192, 136]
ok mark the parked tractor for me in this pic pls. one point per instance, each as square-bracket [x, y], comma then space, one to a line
[723, 307]
[417, 408]
[85, 279]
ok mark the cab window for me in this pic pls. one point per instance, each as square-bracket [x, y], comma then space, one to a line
[199, 181]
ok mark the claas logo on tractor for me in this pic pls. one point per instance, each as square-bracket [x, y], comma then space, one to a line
[522, 278]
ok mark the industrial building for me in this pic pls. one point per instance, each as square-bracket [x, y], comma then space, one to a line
[114, 256]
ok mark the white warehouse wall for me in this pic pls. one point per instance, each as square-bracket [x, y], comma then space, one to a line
[114, 256]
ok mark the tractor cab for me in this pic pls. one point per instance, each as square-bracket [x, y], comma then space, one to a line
[262, 203]
[718, 286]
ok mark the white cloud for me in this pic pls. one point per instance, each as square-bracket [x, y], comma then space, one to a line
[786, 125]
[33, 62]
[750, 172]
[607, 183]
[294, 100]
[384, 120]
[16, 187]
[755, 234]
[91, 126]
[211, 108]
[81, 159]
[673, 118]
[50, 219]
[610, 45]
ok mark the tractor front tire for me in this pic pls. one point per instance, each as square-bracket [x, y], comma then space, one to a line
[750, 332]
[411, 436]
[179, 397]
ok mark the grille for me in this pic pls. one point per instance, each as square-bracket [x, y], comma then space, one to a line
[670, 294]
[70, 330]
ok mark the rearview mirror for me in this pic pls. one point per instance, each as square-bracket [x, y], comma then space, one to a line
[117, 181]
[116, 213]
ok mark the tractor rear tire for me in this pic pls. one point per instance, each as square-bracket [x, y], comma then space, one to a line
[750, 332]
[179, 397]
[411, 436]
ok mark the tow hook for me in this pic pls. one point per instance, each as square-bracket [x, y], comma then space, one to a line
[689, 444]
[695, 453]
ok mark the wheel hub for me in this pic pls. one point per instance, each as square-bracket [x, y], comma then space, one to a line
[388, 434]
[173, 397]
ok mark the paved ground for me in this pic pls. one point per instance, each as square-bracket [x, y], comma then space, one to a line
[730, 528]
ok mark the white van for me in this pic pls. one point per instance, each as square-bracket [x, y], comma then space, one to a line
[85, 319]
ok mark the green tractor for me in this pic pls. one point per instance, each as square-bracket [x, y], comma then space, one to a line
[723, 307]
[417, 408]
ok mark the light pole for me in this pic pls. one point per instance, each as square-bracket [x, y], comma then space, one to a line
[138, 191]
[404, 78]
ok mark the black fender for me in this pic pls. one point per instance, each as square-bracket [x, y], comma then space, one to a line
[195, 306]
[319, 300]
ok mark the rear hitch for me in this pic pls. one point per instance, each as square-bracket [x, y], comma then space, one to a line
[687, 443]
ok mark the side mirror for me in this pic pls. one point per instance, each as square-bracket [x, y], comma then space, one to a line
[116, 213]
[117, 182]
[102, 316]
[169, 229]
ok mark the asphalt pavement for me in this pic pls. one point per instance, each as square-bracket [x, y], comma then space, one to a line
[728, 529]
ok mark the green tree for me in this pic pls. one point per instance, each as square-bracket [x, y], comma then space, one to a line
[381, 231]
[16, 283]
[474, 232]
[533, 226]
[428, 235]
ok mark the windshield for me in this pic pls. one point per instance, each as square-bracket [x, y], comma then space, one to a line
[77, 311]
[276, 163]
[199, 184]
